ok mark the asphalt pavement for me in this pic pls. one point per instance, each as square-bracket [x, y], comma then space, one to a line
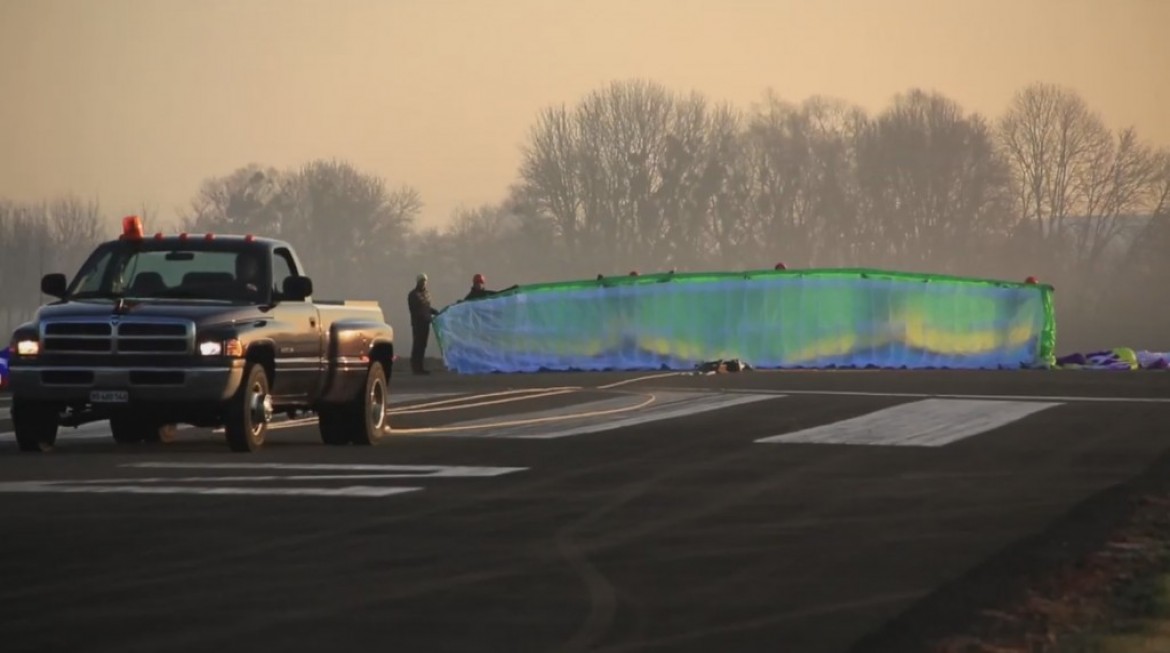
[760, 511]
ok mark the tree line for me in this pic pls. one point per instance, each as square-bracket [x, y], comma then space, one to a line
[636, 176]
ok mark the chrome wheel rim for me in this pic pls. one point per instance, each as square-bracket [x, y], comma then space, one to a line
[377, 404]
[260, 405]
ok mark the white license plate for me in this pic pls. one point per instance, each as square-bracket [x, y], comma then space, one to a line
[109, 396]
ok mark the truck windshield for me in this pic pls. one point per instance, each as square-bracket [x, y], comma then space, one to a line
[210, 275]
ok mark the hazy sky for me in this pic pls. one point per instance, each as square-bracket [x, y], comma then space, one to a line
[137, 101]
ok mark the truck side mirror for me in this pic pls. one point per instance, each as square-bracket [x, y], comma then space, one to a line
[54, 285]
[297, 289]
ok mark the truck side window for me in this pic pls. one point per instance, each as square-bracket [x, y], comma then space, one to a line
[282, 268]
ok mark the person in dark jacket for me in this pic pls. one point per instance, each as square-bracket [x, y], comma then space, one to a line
[421, 313]
[477, 288]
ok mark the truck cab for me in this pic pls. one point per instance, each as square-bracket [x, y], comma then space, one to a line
[208, 330]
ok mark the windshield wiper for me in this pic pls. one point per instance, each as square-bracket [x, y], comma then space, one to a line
[97, 294]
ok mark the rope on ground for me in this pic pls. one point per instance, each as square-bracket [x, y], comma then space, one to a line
[637, 379]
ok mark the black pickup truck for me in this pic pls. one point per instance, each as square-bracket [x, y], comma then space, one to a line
[205, 330]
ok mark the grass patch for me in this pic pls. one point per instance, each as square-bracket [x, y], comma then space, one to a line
[1141, 621]
[1115, 599]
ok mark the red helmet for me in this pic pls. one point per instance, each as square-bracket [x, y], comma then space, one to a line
[478, 278]
[781, 266]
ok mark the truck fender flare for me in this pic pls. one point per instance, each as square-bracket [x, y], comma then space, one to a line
[345, 349]
[263, 352]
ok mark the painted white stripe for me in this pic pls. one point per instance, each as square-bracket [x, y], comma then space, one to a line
[927, 423]
[101, 430]
[395, 400]
[927, 395]
[151, 485]
[249, 479]
[390, 471]
[40, 487]
[668, 405]
[411, 397]
[90, 431]
[562, 411]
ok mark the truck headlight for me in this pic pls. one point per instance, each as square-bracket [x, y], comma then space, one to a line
[233, 348]
[28, 347]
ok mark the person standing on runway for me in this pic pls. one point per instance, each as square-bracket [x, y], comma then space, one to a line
[421, 313]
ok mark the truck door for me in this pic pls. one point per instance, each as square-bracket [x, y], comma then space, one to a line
[298, 346]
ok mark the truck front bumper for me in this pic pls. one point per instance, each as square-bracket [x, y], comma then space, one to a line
[142, 384]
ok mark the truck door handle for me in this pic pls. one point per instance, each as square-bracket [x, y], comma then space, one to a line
[312, 321]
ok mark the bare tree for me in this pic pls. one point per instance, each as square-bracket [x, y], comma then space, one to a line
[631, 175]
[932, 184]
[551, 172]
[696, 174]
[1119, 182]
[799, 169]
[25, 249]
[76, 228]
[505, 242]
[247, 200]
[1082, 194]
[1049, 136]
[342, 219]
[1146, 263]
[623, 131]
[1125, 308]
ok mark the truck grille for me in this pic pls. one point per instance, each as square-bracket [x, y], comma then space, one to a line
[128, 336]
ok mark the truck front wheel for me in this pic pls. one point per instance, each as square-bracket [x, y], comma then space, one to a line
[35, 425]
[247, 414]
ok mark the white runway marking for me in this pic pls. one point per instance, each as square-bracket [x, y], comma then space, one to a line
[927, 423]
[60, 487]
[387, 471]
[926, 395]
[101, 430]
[212, 485]
[668, 405]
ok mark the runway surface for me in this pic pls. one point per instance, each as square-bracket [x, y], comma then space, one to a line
[762, 511]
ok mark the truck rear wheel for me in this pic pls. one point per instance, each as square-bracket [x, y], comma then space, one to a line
[332, 425]
[35, 425]
[248, 413]
[369, 410]
[363, 419]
